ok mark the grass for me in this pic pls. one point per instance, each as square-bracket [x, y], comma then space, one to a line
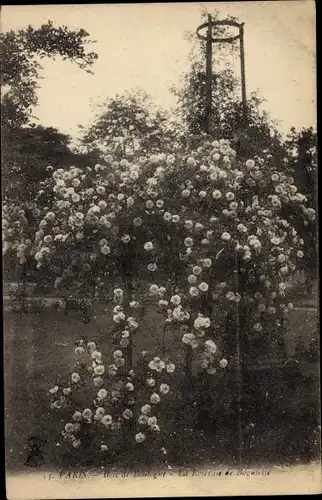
[38, 346]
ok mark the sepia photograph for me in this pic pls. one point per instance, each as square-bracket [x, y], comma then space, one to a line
[160, 249]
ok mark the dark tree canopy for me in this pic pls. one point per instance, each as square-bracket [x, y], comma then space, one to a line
[302, 153]
[26, 156]
[303, 160]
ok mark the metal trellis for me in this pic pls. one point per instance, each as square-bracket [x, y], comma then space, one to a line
[210, 40]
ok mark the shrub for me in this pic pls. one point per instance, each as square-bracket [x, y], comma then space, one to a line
[202, 233]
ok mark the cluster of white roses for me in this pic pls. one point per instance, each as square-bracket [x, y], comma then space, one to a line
[126, 325]
[213, 205]
[194, 330]
[146, 419]
[217, 206]
[15, 237]
[110, 389]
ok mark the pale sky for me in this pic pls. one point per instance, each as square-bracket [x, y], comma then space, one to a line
[142, 45]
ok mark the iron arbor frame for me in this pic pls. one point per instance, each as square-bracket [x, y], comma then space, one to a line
[210, 40]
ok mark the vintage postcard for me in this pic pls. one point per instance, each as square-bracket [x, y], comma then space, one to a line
[160, 263]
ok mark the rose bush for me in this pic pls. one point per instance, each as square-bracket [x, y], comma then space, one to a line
[199, 234]
[176, 216]
[18, 227]
[112, 410]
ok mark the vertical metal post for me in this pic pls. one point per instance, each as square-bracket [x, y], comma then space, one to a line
[208, 93]
[243, 76]
[238, 350]
[208, 114]
[238, 368]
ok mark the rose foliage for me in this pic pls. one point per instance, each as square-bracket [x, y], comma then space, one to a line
[177, 226]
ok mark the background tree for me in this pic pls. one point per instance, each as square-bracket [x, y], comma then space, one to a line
[302, 165]
[303, 160]
[26, 156]
[28, 149]
[127, 123]
[20, 67]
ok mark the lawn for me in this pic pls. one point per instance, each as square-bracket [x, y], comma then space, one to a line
[39, 345]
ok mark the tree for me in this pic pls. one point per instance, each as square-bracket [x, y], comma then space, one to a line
[302, 154]
[128, 123]
[302, 166]
[28, 149]
[27, 152]
[29, 156]
[20, 69]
